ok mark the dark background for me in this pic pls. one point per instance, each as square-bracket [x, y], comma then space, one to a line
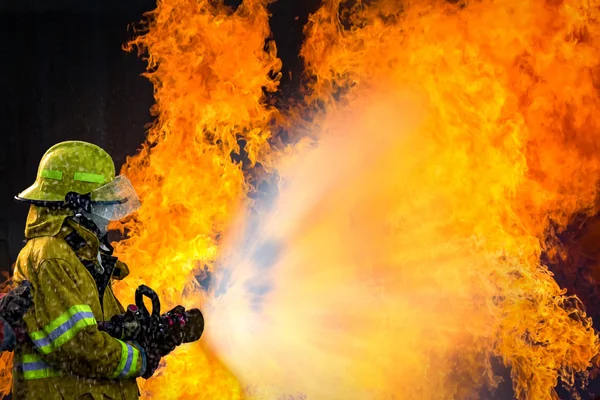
[64, 76]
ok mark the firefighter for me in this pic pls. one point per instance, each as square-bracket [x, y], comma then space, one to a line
[13, 306]
[68, 261]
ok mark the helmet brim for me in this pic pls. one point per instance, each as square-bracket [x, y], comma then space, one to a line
[113, 201]
[35, 192]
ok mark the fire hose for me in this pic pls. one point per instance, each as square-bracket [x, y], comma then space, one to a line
[157, 334]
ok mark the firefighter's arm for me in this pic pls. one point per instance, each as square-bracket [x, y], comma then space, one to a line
[7, 337]
[64, 330]
[13, 306]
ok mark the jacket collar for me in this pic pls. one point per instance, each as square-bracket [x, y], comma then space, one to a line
[87, 245]
[42, 221]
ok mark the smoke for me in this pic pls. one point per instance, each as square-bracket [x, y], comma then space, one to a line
[402, 250]
[345, 288]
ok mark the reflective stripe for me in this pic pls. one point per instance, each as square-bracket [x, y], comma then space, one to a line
[33, 367]
[128, 364]
[49, 174]
[87, 177]
[143, 354]
[63, 328]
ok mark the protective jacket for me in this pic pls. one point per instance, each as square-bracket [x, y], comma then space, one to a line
[67, 356]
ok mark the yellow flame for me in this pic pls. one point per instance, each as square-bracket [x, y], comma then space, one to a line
[403, 249]
[208, 90]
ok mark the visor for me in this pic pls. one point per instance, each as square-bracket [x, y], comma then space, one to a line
[115, 200]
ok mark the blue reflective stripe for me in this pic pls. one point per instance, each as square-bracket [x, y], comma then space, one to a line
[55, 334]
[32, 367]
[35, 366]
[143, 354]
[63, 328]
[127, 367]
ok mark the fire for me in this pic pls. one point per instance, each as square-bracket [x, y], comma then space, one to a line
[508, 142]
[209, 67]
[402, 250]
[6, 362]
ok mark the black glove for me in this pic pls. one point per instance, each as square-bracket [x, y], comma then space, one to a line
[15, 304]
[156, 335]
[174, 321]
[153, 358]
[162, 339]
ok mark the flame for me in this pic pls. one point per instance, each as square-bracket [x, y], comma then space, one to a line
[510, 139]
[6, 363]
[402, 249]
[209, 94]
[508, 143]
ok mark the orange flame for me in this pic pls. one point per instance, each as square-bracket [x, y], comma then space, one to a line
[6, 363]
[403, 248]
[209, 92]
[509, 142]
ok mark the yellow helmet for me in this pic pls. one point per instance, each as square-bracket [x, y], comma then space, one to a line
[82, 174]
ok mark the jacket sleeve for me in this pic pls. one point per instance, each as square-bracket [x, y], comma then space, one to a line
[65, 333]
[7, 337]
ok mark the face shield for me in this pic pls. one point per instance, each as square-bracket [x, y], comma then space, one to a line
[111, 202]
[115, 200]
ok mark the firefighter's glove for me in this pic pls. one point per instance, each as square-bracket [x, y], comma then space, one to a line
[151, 360]
[160, 340]
[15, 304]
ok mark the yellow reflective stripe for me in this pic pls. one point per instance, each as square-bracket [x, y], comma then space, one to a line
[128, 364]
[32, 366]
[133, 370]
[61, 320]
[49, 174]
[88, 177]
[31, 358]
[63, 328]
[122, 361]
[40, 374]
